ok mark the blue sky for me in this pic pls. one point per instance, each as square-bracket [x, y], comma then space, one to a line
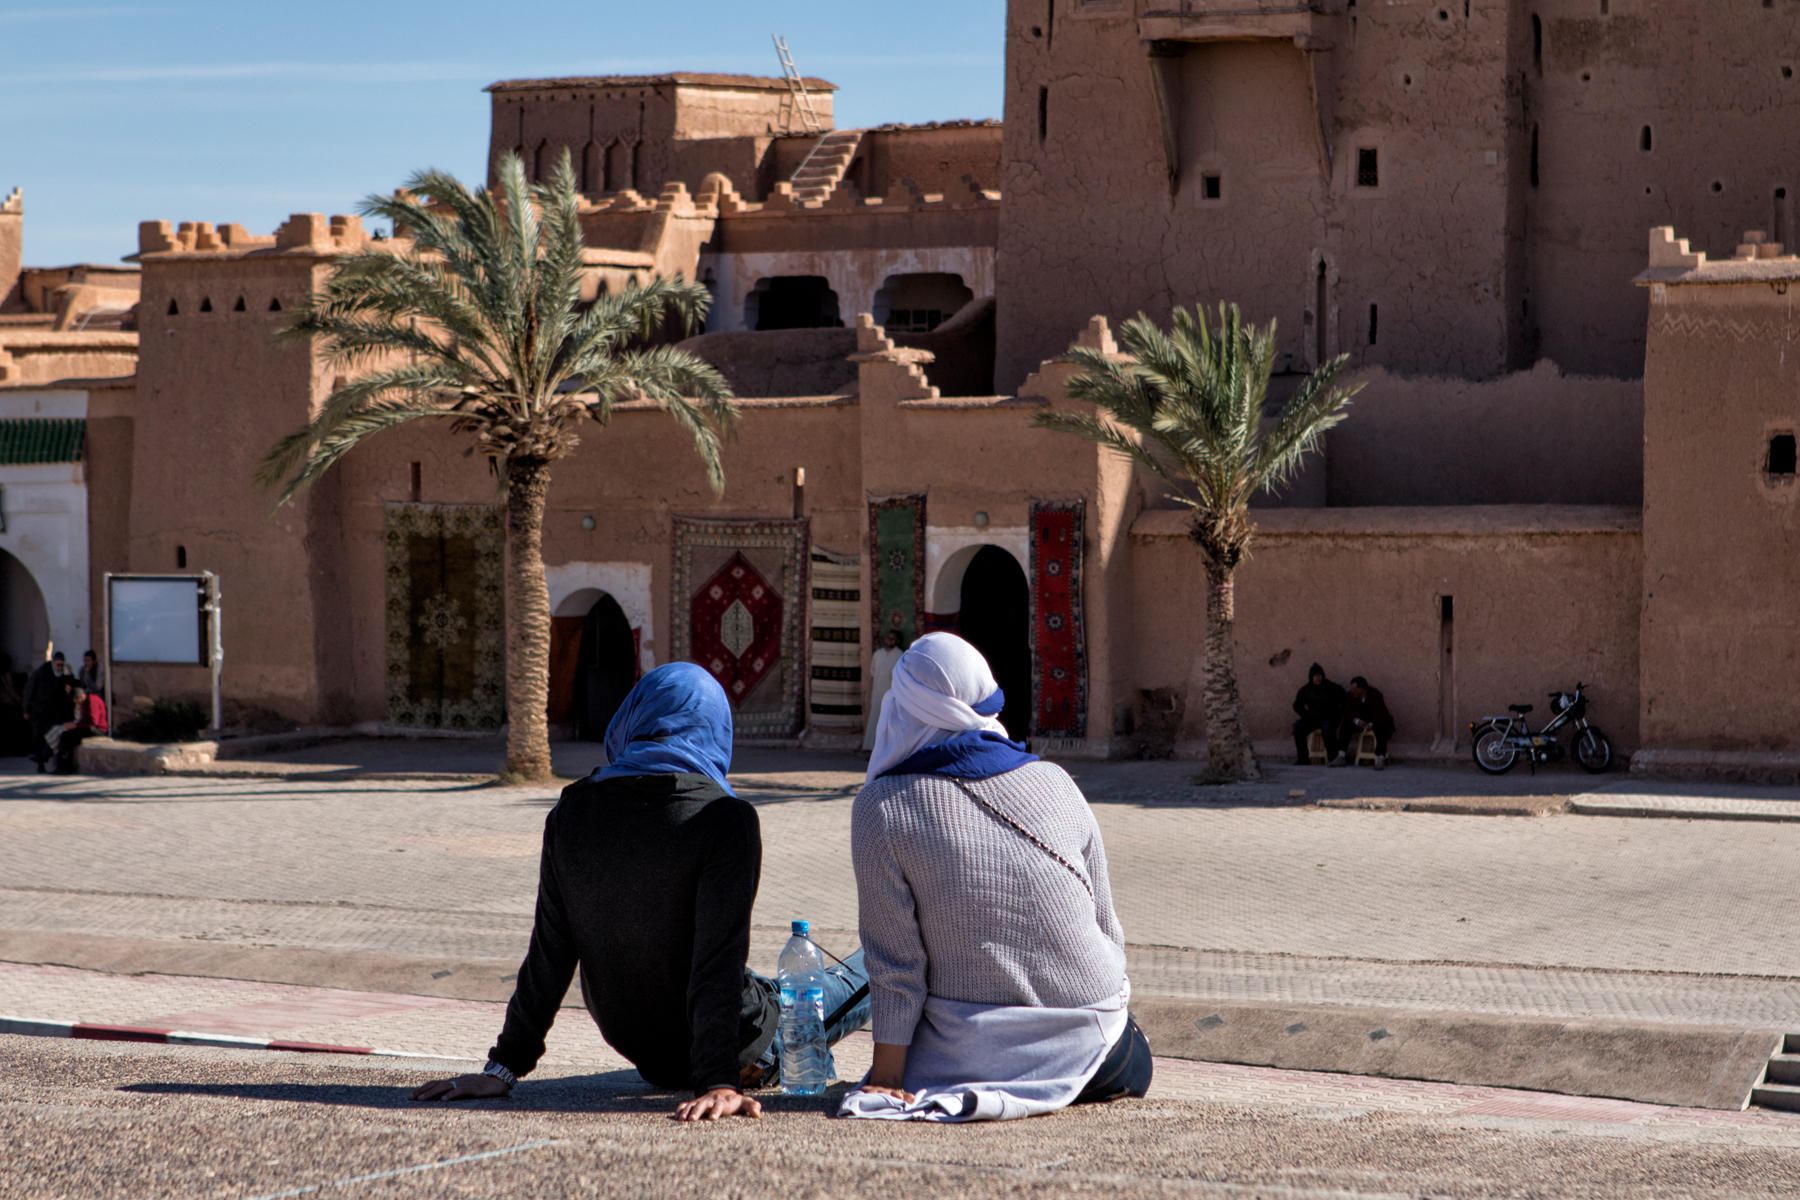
[111, 114]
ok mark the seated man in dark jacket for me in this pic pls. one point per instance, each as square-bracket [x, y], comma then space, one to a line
[649, 871]
[1366, 709]
[1320, 704]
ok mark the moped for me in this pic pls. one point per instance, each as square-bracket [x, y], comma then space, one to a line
[1499, 742]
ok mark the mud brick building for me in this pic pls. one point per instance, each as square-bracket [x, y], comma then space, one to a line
[1571, 461]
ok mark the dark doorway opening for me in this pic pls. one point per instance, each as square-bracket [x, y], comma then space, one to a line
[792, 302]
[996, 619]
[606, 669]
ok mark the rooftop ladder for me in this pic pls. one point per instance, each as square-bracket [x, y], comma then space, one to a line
[799, 101]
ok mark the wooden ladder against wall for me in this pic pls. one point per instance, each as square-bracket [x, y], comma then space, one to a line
[798, 102]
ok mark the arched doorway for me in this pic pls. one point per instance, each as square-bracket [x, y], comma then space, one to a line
[593, 663]
[792, 302]
[24, 618]
[24, 635]
[995, 618]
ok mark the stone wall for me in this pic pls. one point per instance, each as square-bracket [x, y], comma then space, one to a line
[1541, 598]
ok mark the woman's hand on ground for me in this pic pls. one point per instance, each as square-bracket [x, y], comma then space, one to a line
[463, 1087]
[900, 1094]
[719, 1102]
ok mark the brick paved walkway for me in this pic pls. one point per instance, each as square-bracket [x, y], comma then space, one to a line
[1652, 920]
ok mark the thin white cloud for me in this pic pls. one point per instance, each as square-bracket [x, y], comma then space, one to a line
[908, 60]
[373, 72]
[358, 72]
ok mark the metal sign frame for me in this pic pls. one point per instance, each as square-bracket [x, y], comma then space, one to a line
[211, 614]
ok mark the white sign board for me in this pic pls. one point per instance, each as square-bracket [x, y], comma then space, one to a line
[159, 621]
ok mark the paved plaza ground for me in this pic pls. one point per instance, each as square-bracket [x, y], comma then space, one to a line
[379, 895]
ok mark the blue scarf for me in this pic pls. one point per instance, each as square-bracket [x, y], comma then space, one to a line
[973, 754]
[675, 721]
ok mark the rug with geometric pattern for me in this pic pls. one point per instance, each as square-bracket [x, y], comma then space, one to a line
[738, 599]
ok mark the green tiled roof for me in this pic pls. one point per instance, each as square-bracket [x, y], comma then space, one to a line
[41, 440]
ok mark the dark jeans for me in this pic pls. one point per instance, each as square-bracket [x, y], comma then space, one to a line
[1328, 730]
[842, 982]
[40, 749]
[1126, 1071]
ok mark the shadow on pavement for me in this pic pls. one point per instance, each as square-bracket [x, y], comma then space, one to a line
[621, 1091]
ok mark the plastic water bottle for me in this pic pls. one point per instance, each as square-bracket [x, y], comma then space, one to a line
[800, 975]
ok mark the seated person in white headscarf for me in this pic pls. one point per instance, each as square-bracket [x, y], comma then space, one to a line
[968, 845]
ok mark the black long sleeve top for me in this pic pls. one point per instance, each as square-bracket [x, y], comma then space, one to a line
[647, 882]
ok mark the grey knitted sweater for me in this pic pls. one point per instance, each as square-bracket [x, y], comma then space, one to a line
[955, 903]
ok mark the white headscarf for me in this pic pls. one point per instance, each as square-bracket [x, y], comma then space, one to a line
[937, 685]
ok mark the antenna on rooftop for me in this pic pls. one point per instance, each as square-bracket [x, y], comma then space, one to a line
[798, 102]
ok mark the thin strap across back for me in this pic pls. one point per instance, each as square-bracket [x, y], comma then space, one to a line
[1029, 836]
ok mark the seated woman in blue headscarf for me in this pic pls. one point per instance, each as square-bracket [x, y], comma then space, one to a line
[996, 963]
[649, 871]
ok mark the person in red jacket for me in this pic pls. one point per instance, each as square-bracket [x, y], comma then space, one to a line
[1365, 708]
[90, 719]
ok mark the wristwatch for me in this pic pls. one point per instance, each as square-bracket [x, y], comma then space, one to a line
[501, 1073]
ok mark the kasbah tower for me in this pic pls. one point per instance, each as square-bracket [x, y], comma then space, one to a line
[1574, 458]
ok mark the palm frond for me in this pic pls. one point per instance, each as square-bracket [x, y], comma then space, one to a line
[350, 433]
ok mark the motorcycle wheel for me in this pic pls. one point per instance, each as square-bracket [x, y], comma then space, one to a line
[1492, 754]
[1593, 751]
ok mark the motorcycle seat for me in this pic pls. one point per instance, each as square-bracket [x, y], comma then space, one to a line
[1521, 709]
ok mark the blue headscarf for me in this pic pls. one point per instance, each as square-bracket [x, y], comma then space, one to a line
[675, 721]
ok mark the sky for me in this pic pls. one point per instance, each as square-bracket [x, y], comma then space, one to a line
[249, 110]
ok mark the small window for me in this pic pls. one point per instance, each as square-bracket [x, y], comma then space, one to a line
[1780, 463]
[206, 304]
[180, 557]
[239, 306]
[275, 304]
[1646, 139]
[417, 482]
[1212, 186]
[1043, 113]
[1533, 171]
[1374, 323]
[174, 309]
[1368, 167]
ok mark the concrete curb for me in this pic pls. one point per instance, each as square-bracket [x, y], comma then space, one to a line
[1679, 1066]
[81, 1030]
[1777, 811]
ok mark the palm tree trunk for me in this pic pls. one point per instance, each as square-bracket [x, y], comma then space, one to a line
[527, 621]
[1228, 749]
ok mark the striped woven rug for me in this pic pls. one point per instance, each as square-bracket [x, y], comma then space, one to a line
[835, 701]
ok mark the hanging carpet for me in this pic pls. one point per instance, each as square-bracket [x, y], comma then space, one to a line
[896, 567]
[738, 592]
[837, 675]
[1058, 639]
[446, 632]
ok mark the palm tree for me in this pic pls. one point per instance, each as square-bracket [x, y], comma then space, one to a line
[478, 320]
[1188, 406]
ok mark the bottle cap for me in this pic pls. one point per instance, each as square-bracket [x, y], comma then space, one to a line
[802, 928]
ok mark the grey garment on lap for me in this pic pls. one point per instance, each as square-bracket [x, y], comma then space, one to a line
[956, 904]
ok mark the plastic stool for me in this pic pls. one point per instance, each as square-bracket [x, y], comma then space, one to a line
[1365, 747]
